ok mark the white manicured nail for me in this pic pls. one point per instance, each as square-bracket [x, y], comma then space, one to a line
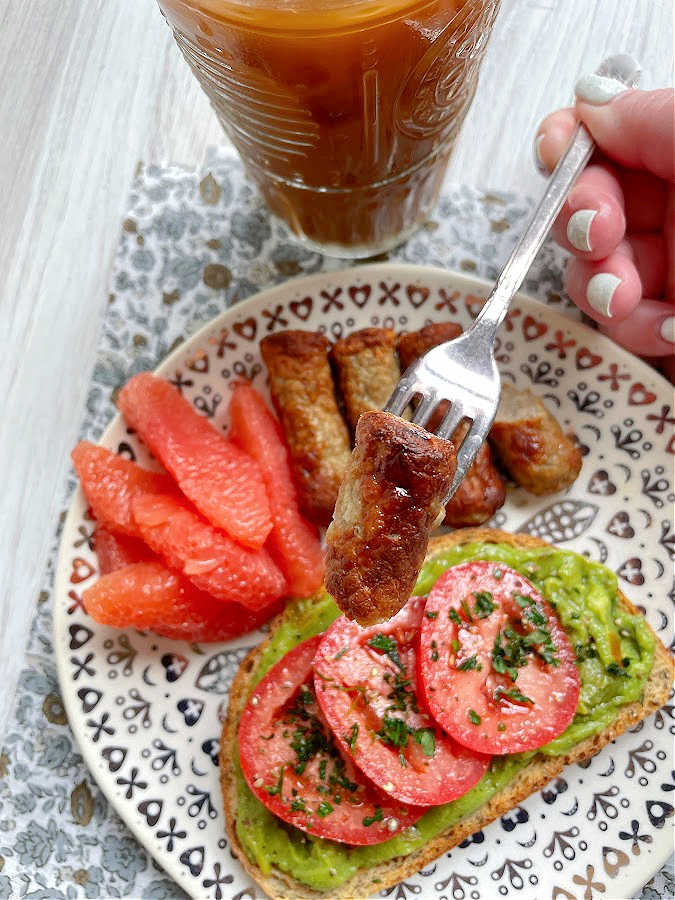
[600, 290]
[667, 329]
[598, 89]
[579, 229]
[538, 161]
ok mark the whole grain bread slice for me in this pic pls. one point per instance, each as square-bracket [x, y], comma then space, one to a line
[280, 886]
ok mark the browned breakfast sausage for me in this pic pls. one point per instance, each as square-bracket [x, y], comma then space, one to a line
[531, 445]
[414, 343]
[482, 491]
[303, 392]
[367, 370]
[389, 502]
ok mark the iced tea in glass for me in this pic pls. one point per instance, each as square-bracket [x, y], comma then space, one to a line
[344, 111]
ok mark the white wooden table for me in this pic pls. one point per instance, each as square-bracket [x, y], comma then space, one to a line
[87, 89]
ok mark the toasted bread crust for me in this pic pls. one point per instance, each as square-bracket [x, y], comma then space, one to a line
[367, 370]
[538, 773]
[389, 502]
[530, 443]
[303, 392]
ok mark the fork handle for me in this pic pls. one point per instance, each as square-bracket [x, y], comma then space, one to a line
[559, 185]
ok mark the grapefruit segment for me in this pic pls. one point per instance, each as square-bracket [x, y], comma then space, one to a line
[115, 551]
[293, 542]
[209, 558]
[147, 595]
[222, 481]
[110, 482]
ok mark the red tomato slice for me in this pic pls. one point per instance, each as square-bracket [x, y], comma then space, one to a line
[292, 765]
[365, 682]
[496, 668]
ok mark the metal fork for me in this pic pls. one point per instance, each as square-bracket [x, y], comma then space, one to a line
[463, 371]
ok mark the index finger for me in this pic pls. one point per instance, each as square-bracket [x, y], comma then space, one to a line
[636, 129]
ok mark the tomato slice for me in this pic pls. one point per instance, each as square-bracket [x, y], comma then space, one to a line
[496, 668]
[365, 682]
[293, 766]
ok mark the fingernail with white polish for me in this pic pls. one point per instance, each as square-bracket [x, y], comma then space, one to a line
[579, 229]
[667, 329]
[598, 89]
[538, 160]
[599, 292]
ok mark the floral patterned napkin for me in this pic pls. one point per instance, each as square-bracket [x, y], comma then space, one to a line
[193, 242]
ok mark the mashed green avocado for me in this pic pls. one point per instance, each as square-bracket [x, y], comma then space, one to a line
[584, 596]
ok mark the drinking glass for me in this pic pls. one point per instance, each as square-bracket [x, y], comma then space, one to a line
[344, 112]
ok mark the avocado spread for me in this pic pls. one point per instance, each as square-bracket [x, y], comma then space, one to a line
[615, 652]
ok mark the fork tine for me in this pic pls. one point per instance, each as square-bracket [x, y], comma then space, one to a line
[467, 451]
[425, 408]
[401, 397]
[451, 420]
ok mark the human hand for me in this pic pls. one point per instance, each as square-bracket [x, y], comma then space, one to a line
[619, 219]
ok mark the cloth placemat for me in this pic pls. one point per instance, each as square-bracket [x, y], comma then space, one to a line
[192, 244]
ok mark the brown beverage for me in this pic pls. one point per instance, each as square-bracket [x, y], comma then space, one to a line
[344, 111]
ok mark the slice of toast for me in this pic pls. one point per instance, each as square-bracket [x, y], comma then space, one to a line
[280, 886]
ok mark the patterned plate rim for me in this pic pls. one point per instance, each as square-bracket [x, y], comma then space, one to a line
[642, 873]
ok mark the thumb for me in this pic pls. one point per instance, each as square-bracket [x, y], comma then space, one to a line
[633, 128]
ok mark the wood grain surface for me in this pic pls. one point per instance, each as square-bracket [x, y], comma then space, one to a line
[88, 90]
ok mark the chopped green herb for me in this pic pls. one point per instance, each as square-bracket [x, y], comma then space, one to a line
[431, 614]
[501, 726]
[403, 698]
[394, 731]
[536, 616]
[425, 738]
[470, 663]
[350, 738]
[474, 718]
[512, 694]
[522, 601]
[401, 759]
[273, 791]
[484, 605]
[307, 742]
[324, 809]
[322, 769]
[388, 646]
[298, 805]
[434, 652]
[584, 651]
[340, 653]
[454, 616]
[466, 610]
[455, 645]
[338, 777]
[615, 669]
[267, 737]
[498, 574]
[376, 817]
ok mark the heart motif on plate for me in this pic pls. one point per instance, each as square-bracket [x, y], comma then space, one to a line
[586, 359]
[533, 329]
[417, 295]
[600, 483]
[638, 395]
[620, 526]
[360, 294]
[247, 329]
[302, 308]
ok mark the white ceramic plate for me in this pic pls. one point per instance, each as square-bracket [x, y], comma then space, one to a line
[147, 711]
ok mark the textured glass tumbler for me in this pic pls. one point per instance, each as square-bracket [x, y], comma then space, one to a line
[344, 111]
